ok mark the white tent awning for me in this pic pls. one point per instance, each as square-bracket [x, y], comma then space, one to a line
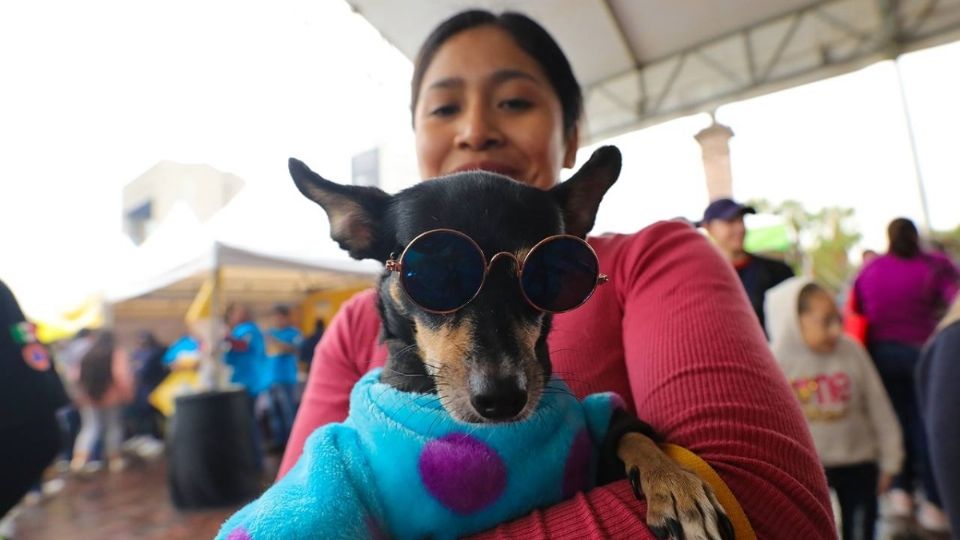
[258, 231]
[645, 61]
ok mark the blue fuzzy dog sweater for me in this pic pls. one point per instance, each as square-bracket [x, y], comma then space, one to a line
[400, 467]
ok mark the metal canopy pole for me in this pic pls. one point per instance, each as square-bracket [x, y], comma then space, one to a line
[214, 336]
[894, 38]
[921, 189]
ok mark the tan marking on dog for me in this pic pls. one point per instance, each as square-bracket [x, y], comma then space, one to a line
[448, 345]
[672, 491]
[444, 351]
[396, 294]
[347, 223]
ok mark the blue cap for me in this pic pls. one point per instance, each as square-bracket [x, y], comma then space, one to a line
[724, 209]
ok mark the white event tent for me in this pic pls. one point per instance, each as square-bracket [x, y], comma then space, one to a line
[265, 246]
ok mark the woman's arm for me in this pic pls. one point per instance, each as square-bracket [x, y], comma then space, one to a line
[702, 375]
[338, 363]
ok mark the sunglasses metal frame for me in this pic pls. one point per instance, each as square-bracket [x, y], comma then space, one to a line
[396, 265]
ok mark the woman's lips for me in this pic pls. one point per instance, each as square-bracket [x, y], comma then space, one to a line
[489, 166]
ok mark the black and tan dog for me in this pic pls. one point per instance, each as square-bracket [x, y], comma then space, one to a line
[487, 360]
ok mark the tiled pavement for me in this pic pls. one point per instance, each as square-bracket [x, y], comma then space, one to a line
[132, 504]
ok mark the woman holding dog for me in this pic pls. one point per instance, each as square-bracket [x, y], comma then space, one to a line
[673, 335]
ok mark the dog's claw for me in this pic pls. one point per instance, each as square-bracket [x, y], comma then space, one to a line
[680, 504]
[662, 533]
[635, 482]
[676, 530]
[725, 526]
[671, 531]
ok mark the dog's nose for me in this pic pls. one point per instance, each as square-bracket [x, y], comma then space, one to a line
[499, 398]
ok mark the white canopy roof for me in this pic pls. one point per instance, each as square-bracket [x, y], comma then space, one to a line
[271, 245]
[645, 61]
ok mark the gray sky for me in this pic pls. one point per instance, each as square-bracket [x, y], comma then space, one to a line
[97, 92]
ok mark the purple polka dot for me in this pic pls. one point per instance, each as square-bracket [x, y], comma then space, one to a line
[463, 473]
[239, 534]
[576, 473]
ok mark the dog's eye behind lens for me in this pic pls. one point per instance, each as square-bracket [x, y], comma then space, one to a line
[560, 274]
[442, 271]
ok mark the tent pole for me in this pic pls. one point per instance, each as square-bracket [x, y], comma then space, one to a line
[215, 336]
[921, 190]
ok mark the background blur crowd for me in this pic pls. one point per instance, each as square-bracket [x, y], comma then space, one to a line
[881, 419]
[872, 367]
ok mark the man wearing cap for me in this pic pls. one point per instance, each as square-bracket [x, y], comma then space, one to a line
[723, 220]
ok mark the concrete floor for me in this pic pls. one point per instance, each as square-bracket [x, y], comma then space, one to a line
[132, 504]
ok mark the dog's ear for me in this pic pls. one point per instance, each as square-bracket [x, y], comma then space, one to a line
[356, 213]
[580, 196]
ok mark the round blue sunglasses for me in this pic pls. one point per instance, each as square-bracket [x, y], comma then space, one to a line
[442, 270]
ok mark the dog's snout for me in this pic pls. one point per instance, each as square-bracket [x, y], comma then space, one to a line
[497, 398]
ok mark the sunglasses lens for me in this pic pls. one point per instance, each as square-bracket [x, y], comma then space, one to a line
[560, 274]
[442, 271]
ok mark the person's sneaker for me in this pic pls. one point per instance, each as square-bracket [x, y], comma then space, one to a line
[131, 444]
[8, 527]
[899, 504]
[53, 486]
[932, 519]
[150, 448]
[86, 469]
[117, 464]
[33, 497]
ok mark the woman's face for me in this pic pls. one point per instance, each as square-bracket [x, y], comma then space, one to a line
[486, 104]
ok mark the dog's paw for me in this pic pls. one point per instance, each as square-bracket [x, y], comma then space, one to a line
[680, 506]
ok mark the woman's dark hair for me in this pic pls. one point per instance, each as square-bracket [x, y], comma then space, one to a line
[806, 293]
[96, 367]
[904, 238]
[529, 36]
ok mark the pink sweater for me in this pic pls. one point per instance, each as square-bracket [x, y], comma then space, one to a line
[902, 299]
[674, 334]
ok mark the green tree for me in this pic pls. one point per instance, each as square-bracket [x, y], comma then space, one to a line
[949, 241]
[822, 240]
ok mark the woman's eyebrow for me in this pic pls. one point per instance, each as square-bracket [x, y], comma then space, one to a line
[505, 75]
[498, 77]
[449, 82]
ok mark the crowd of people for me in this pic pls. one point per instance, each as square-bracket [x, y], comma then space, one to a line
[754, 376]
[876, 414]
[90, 404]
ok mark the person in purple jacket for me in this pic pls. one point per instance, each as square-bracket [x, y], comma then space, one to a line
[937, 377]
[902, 294]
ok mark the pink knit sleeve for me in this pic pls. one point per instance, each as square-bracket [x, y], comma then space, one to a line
[701, 373]
[338, 363]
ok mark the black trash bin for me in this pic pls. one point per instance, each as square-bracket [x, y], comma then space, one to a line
[210, 455]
